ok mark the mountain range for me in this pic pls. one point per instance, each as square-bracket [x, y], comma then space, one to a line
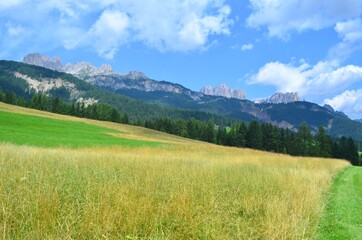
[144, 98]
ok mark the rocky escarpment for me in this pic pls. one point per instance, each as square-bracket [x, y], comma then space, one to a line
[280, 98]
[138, 81]
[44, 61]
[105, 77]
[81, 70]
[224, 91]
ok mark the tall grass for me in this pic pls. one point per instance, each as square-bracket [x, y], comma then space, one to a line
[183, 190]
[168, 192]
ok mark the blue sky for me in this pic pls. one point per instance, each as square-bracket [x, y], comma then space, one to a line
[312, 47]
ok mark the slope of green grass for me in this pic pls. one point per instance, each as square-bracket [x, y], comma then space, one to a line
[45, 132]
[343, 215]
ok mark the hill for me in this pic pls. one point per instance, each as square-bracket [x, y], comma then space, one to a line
[143, 98]
[180, 189]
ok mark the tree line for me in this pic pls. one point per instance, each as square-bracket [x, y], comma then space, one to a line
[262, 136]
[97, 111]
[255, 135]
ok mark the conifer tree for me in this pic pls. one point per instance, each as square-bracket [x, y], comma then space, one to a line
[210, 133]
[324, 143]
[254, 136]
[1, 96]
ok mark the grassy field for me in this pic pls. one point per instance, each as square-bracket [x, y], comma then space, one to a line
[181, 190]
[45, 132]
[343, 216]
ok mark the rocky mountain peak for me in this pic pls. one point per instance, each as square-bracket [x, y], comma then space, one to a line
[224, 91]
[106, 68]
[43, 61]
[207, 90]
[328, 107]
[280, 98]
[81, 69]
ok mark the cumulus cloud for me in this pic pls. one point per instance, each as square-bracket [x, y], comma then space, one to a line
[109, 32]
[350, 32]
[247, 47]
[173, 25]
[178, 25]
[348, 102]
[283, 17]
[319, 80]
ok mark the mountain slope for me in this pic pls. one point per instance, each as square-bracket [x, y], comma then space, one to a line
[25, 80]
[160, 99]
[287, 115]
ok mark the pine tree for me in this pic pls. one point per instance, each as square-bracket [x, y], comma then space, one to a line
[223, 138]
[180, 128]
[35, 101]
[115, 116]
[10, 98]
[125, 119]
[55, 105]
[1, 96]
[192, 128]
[210, 132]
[352, 152]
[239, 138]
[304, 140]
[254, 136]
[324, 143]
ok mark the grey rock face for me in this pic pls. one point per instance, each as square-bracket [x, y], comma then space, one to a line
[43, 61]
[106, 77]
[328, 107]
[224, 91]
[281, 98]
[80, 70]
[138, 81]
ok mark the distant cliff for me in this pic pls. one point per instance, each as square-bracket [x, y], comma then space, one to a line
[81, 70]
[280, 98]
[224, 91]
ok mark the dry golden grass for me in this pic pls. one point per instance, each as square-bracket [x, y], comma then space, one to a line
[184, 190]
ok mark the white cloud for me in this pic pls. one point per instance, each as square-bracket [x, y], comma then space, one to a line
[285, 77]
[351, 34]
[283, 17]
[178, 25]
[350, 102]
[350, 31]
[172, 25]
[320, 80]
[109, 32]
[247, 47]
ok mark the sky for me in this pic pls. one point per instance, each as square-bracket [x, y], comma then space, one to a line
[313, 47]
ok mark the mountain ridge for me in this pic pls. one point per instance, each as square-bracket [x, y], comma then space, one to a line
[280, 98]
[286, 115]
[224, 91]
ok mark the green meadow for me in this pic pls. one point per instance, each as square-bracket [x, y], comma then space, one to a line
[45, 132]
